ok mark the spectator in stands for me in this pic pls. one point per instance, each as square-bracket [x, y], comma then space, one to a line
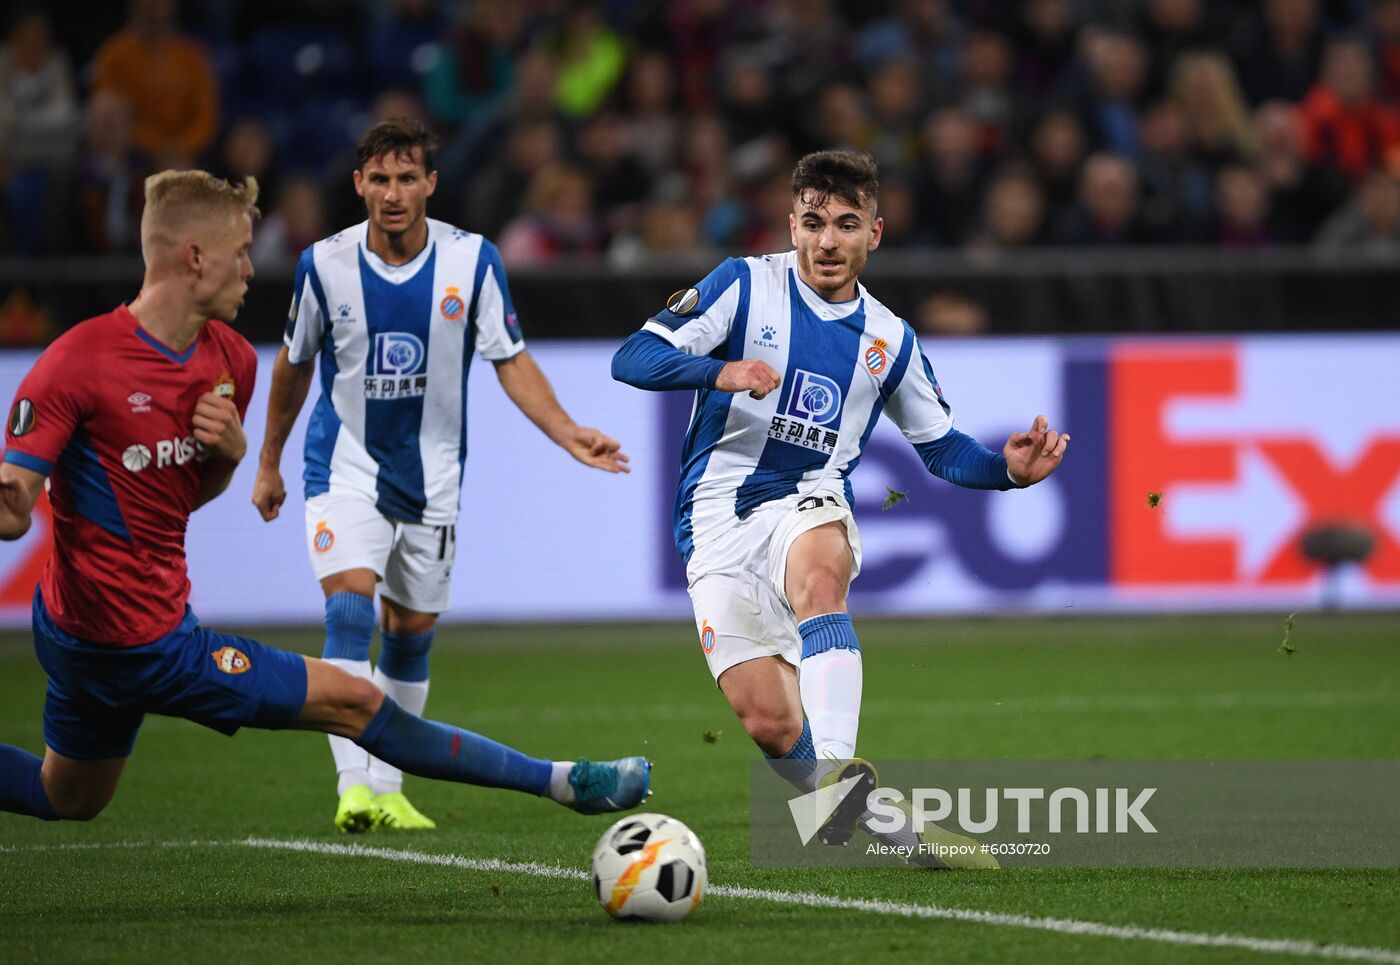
[557, 222]
[952, 177]
[498, 191]
[1117, 71]
[1176, 187]
[1057, 152]
[1170, 28]
[1241, 209]
[620, 182]
[652, 117]
[475, 66]
[1345, 126]
[895, 98]
[706, 178]
[1304, 194]
[1047, 42]
[926, 33]
[1203, 85]
[669, 229]
[38, 131]
[588, 57]
[841, 119]
[1013, 213]
[297, 221]
[109, 192]
[1369, 226]
[246, 150]
[899, 207]
[167, 78]
[1278, 57]
[1107, 213]
[987, 94]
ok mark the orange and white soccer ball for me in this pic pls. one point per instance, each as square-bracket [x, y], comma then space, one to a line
[649, 867]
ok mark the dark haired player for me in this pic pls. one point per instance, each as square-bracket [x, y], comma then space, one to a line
[135, 420]
[793, 361]
[395, 306]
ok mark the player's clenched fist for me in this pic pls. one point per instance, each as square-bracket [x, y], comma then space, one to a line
[751, 375]
[269, 492]
[218, 428]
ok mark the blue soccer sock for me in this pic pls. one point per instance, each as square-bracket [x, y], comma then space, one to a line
[431, 749]
[830, 679]
[349, 629]
[799, 764]
[21, 786]
[402, 673]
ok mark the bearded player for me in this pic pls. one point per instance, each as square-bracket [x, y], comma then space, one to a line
[793, 361]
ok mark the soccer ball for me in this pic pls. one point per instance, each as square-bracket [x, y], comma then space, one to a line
[649, 867]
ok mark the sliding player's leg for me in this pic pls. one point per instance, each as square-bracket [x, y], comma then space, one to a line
[352, 707]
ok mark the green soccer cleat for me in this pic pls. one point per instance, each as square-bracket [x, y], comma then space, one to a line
[397, 813]
[610, 785]
[839, 828]
[357, 812]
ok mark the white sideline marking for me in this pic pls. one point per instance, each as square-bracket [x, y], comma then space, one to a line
[1062, 926]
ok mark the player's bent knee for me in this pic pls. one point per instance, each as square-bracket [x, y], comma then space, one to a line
[775, 734]
[819, 591]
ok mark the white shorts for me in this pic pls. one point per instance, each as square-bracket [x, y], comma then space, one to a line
[347, 532]
[738, 581]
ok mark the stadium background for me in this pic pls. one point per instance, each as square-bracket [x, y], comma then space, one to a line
[1207, 190]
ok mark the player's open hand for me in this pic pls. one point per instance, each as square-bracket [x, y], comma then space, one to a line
[755, 377]
[596, 449]
[269, 492]
[218, 428]
[1031, 456]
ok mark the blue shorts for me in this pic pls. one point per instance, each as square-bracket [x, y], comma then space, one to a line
[98, 695]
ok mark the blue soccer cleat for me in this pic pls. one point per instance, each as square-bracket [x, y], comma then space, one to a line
[610, 785]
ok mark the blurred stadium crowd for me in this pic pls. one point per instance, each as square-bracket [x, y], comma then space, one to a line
[631, 128]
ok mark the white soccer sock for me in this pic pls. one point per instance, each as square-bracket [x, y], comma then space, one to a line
[830, 684]
[351, 760]
[559, 787]
[412, 696]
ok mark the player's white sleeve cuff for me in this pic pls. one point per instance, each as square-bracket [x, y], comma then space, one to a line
[511, 353]
[656, 328]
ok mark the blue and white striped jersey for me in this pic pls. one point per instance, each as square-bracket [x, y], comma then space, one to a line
[842, 365]
[396, 343]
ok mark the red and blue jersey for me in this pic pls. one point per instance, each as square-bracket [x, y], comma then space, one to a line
[107, 414]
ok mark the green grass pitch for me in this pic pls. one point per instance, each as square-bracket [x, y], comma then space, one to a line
[161, 875]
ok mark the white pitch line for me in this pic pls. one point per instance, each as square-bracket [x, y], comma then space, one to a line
[1062, 926]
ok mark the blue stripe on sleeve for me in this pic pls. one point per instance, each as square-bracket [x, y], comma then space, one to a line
[648, 361]
[25, 461]
[963, 461]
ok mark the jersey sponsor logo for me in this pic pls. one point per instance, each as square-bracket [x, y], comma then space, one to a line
[397, 370]
[804, 434]
[135, 458]
[683, 302]
[814, 398]
[707, 637]
[224, 385]
[766, 336]
[323, 539]
[139, 402]
[452, 305]
[231, 660]
[178, 451]
[875, 357]
[22, 416]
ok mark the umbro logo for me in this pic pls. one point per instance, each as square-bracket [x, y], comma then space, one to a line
[139, 402]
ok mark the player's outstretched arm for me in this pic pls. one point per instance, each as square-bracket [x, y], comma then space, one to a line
[1031, 456]
[290, 384]
[19, 491]
[532, 394]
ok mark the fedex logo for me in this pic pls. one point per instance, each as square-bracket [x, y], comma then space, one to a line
[1242, 478]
